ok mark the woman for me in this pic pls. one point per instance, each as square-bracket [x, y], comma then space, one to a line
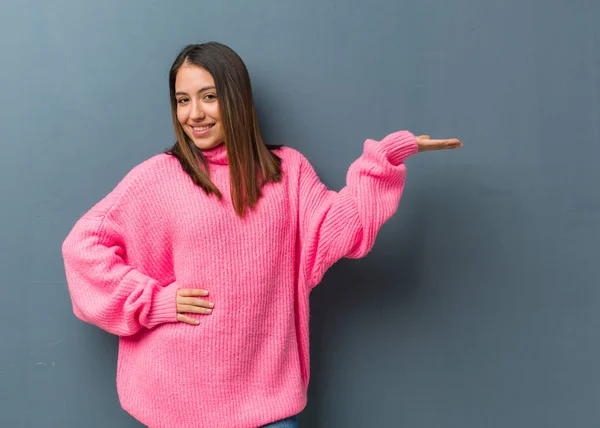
[202, 258]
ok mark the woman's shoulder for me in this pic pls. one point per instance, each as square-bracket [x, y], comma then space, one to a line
[291, 158]
[143, 178]
[155, 164]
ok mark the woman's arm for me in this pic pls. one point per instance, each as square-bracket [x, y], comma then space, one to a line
[108, 287]
[345, 223]
[105, 290]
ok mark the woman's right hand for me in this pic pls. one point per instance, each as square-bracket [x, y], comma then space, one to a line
[187, 302]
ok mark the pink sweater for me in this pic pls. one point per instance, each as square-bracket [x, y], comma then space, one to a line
[247, 363]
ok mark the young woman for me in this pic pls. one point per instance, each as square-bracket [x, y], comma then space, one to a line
[202, 258]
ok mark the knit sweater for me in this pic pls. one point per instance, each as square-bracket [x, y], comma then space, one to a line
[247, 363]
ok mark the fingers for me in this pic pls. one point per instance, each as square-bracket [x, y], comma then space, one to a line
[187, 302]
[447, 142]
[190, 309]
[191, 292]
[443, 144]
[194, 302]
[193, 309]
[454, 143]
[186, 319]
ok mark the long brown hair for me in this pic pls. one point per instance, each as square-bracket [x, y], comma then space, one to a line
[251, 162]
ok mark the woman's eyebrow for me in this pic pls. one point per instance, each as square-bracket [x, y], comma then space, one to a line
[200, 90]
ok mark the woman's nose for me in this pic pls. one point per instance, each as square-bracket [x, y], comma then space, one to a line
[197, 112]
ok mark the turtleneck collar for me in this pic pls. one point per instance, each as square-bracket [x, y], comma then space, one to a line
[216, 155]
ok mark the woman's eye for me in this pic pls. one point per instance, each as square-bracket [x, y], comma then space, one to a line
[182, 100]
[210, 97]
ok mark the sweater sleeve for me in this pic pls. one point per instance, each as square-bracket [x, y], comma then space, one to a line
[345, 223]
[106, 289]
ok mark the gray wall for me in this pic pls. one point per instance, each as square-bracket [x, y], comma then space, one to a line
[479, 305]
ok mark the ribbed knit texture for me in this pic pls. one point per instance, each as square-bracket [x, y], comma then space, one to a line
[247, 363]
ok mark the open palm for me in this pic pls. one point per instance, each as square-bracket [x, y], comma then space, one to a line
[425, 143]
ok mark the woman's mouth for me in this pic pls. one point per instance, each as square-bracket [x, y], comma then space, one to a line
[200, 131]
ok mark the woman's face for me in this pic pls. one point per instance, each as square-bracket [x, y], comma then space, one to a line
[198, 106]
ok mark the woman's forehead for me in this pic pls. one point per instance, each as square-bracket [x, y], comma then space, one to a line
[192, 78]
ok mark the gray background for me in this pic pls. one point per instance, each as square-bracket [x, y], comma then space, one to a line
[479, 305]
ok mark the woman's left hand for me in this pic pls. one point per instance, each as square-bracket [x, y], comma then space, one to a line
[426, 143]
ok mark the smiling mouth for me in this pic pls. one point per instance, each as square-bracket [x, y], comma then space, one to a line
[202, 128]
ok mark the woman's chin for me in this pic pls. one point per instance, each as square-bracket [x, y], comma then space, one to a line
[205, 145]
